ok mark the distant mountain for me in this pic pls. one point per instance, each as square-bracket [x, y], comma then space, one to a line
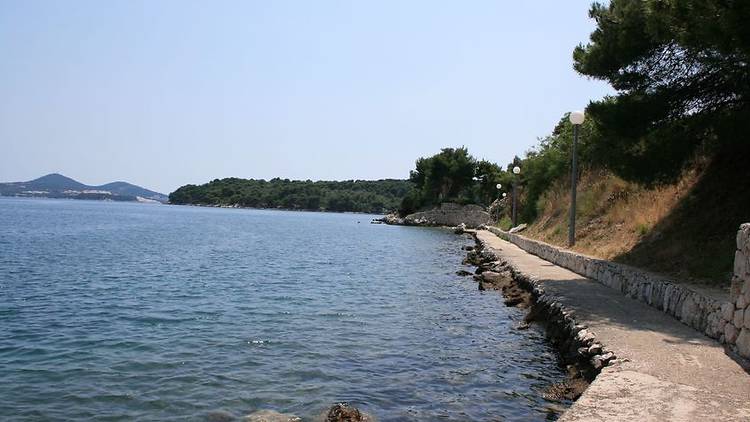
[58, 186]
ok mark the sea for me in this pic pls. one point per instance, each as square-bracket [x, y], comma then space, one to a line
[123, 311]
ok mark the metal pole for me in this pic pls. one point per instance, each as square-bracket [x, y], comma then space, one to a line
[573, 178]
[515, 199]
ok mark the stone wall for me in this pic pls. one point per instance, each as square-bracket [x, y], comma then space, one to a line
[720, 318]
[736, 313]
[449, 214]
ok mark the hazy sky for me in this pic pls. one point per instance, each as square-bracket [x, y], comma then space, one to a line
[163, 93]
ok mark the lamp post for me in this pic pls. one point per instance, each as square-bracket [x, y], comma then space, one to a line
[576, 118]
[516, 172]
[498, 186]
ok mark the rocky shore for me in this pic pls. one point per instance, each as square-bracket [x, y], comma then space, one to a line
[446, 214]
[339, 412]
[580, 353]
[664, 369]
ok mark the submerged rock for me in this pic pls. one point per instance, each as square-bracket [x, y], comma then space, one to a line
[270, 416]
[344, 412]
[220, 416]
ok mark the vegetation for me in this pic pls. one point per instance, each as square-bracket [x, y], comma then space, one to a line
[452, 175]
[680, 69]
[376, 196]
[662, 180]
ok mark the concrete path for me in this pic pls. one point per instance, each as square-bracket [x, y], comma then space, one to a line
[674, 373]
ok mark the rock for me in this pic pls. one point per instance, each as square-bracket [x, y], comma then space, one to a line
[746, 322]
[459, 229]
[743, 343]
[518, 228]
[449, 214]
[468, 248]
[595, 349]
[514, 301]
[343, 412]
[270, 416]
[735, 289]
[739, 318]
[727, 311]
[220, 416]
[741, 302]
[463, 273]
[491, 276]
[730, 333]
[740, 264]
[392, 219]
[597, 362]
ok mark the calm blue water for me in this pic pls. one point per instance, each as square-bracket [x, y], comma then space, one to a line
[117, 311]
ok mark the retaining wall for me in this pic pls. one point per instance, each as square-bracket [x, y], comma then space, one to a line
[736, 315]
[727, 320]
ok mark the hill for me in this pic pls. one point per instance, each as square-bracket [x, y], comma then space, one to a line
[371, 196]
[58, 186]
[685, 229]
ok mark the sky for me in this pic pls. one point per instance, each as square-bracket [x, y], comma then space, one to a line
[163, 93]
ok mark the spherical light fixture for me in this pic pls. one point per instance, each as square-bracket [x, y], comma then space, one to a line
[498, 186]
[576, 117]
[516, 170]
[504, 194]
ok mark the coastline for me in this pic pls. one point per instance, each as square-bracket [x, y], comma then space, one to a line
[581, 356]
[642, 363]
[238, 207]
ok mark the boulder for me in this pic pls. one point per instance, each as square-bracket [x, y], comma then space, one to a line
[730, 333]
[270, 416]
[743, 342]
[343, 412]
[739, 318]
[518, 228]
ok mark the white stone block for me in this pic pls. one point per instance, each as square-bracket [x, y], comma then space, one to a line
[743, 342]
[739, 318]
[727, 311]
[741, 302]
[730, 333]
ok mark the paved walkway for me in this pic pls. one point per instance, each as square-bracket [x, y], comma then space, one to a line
[674, 373]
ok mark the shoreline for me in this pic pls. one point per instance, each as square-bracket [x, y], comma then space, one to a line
[233, 207]
[663, 369]
[494, 273]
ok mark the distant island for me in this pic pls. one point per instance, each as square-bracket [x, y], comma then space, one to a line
[58, 186]
[369, 196]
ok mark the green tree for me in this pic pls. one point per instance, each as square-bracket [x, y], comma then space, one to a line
[680, 69]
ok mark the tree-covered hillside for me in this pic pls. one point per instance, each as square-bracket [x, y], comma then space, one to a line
[373, 196]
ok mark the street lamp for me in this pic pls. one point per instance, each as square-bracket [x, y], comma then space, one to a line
[516, 172]
[576, 118]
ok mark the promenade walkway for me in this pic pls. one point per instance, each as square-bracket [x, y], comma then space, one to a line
[671, 372]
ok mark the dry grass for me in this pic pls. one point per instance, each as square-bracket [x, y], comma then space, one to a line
[612, 214]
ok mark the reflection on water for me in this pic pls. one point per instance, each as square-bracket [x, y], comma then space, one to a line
[127, 311]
